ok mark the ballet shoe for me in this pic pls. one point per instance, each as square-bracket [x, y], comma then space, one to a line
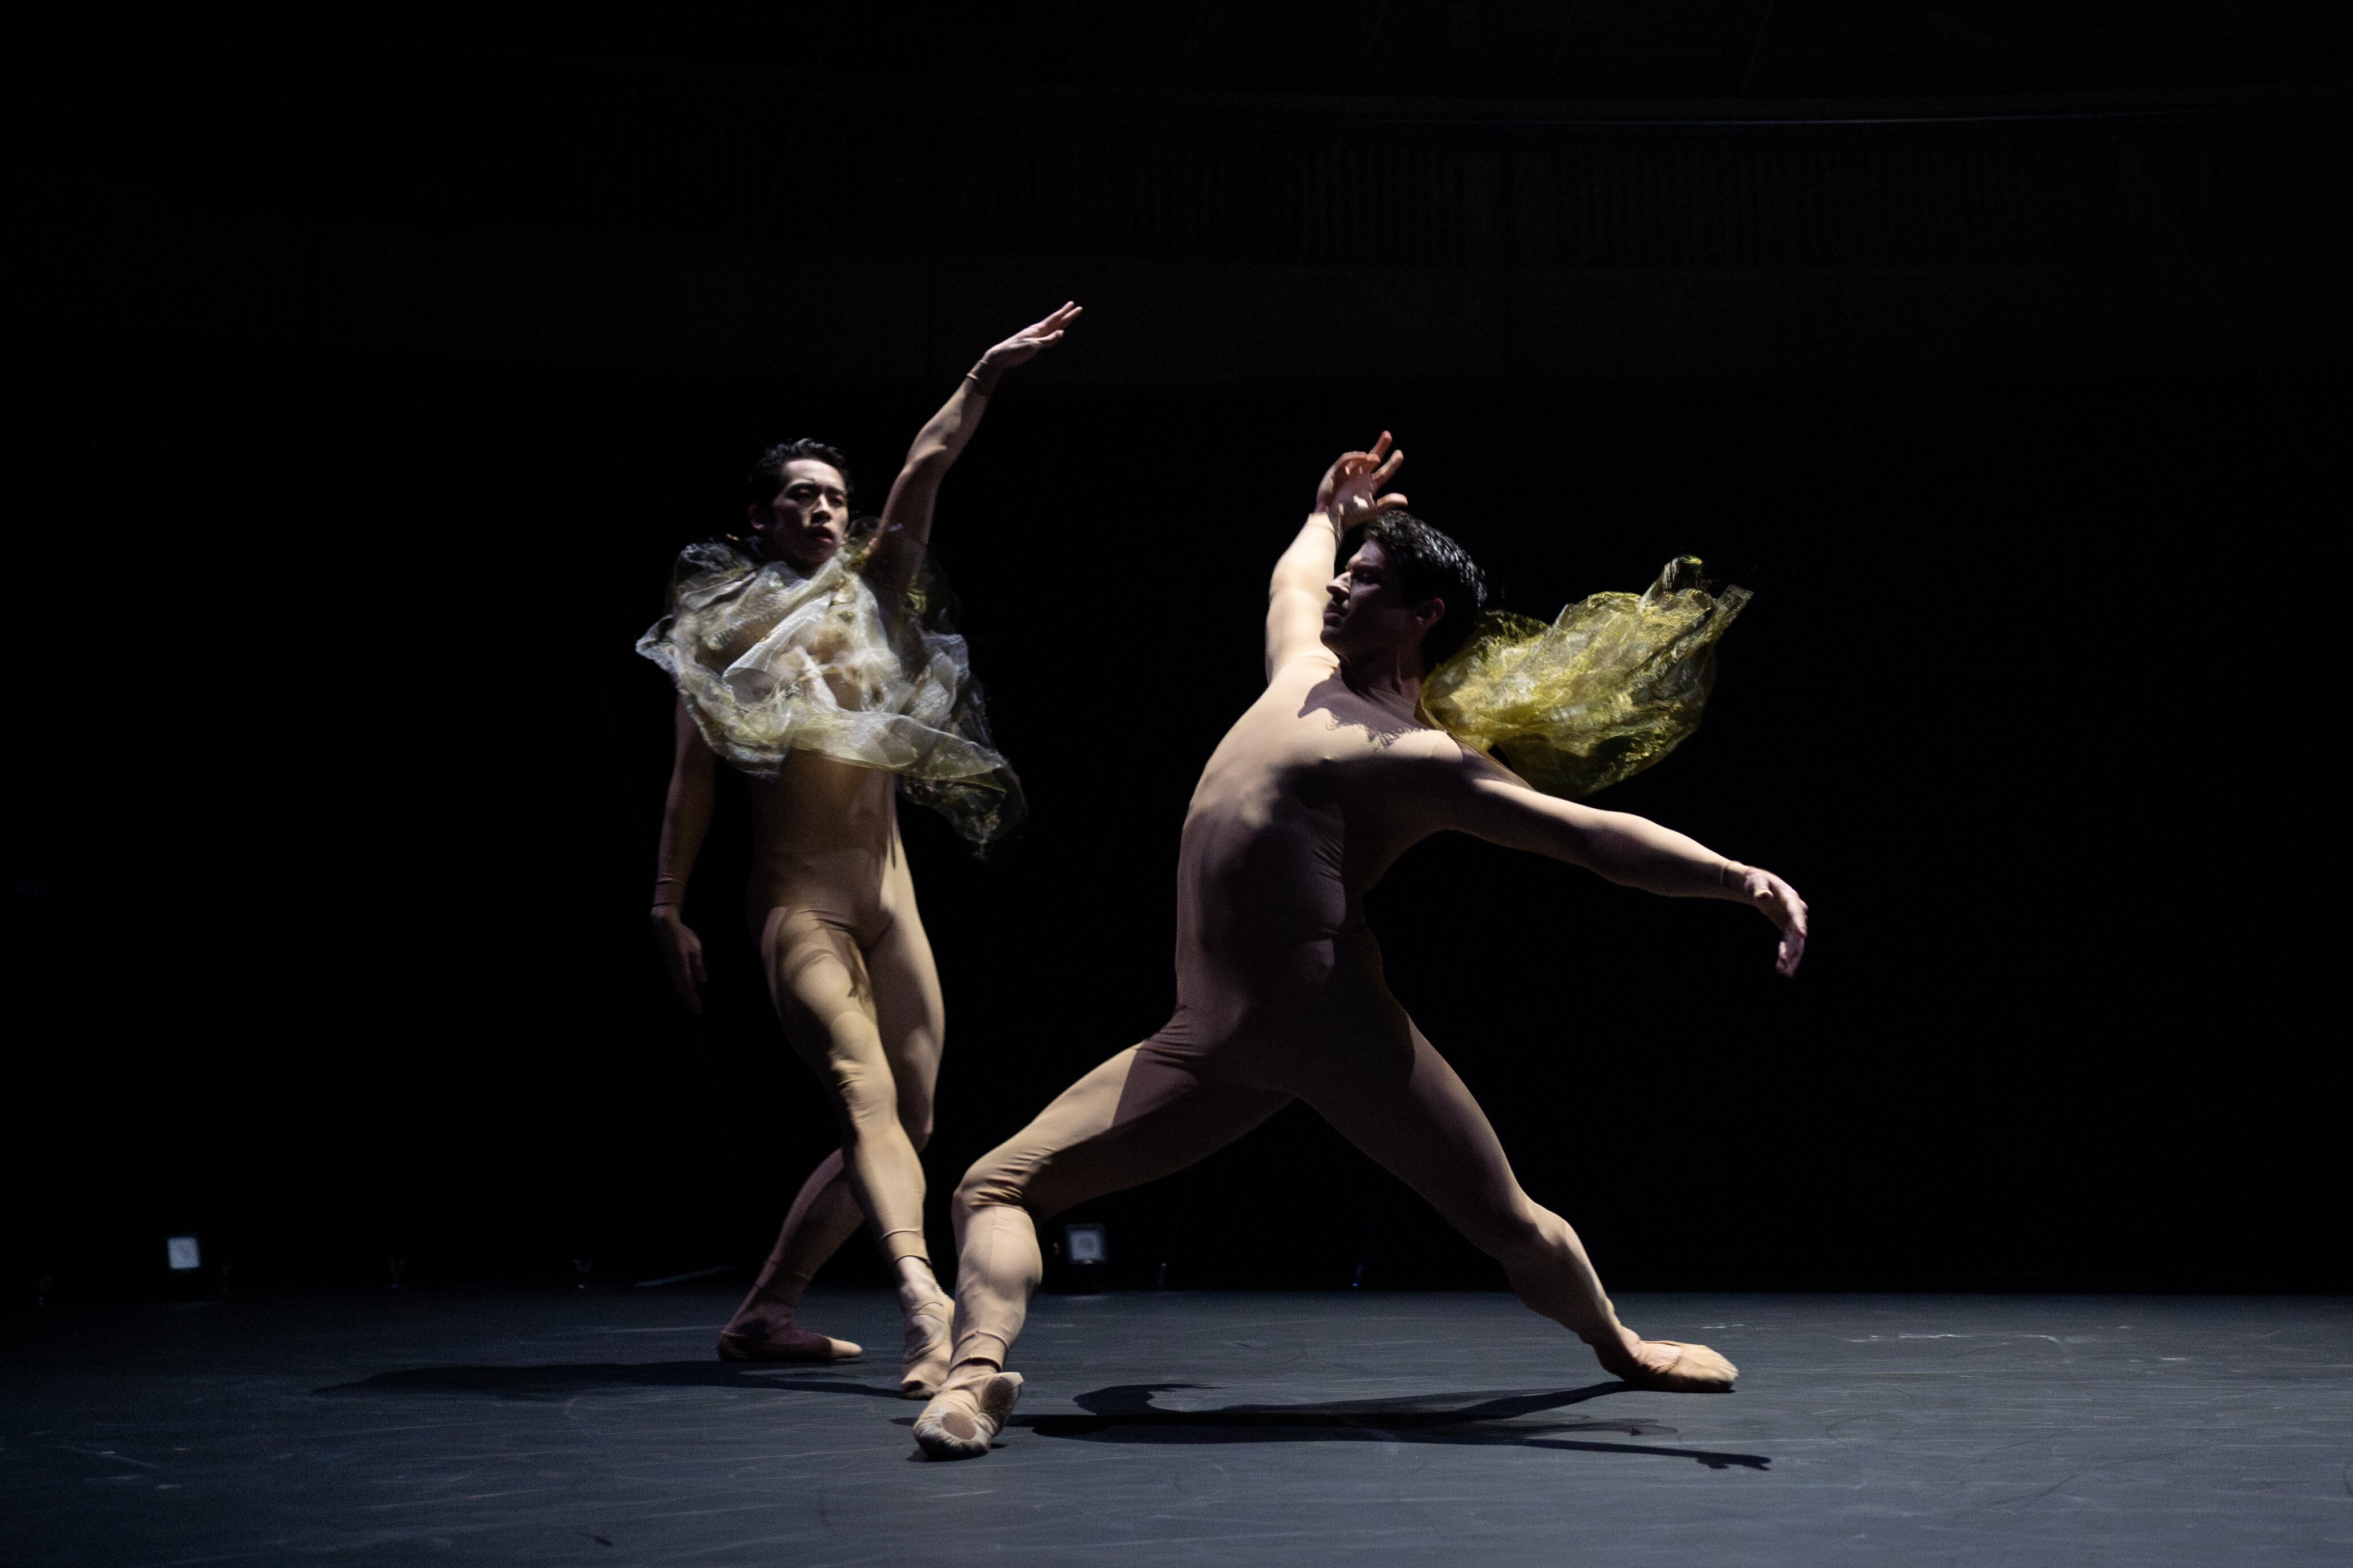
[1695, 1370]
[924, 1362]
[962, 1416]
[791, 1344]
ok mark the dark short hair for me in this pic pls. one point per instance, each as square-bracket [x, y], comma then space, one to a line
[766, 481]
[1429, 566]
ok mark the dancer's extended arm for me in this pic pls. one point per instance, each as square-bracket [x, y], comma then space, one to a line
[907, 515]
[1631, 850]
[686, 817]
[1349, 494]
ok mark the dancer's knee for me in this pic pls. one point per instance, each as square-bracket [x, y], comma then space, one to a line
[990, 1183]
[867, 1099]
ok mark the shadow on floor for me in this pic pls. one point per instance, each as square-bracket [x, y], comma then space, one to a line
[1122, 1414]
[1125, 1413]
[565, 1380]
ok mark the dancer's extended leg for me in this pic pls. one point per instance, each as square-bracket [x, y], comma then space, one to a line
[1410, 1111]
[825, 996]
[912, 1024]
[1138, 1116]
[765, 1326]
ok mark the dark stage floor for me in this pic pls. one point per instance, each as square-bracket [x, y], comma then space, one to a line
[1185, 1428]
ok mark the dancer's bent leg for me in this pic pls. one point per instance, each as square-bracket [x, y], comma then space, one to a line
[912, 1022]
[1403, 1104]
[825, 998]
[1139, 1116]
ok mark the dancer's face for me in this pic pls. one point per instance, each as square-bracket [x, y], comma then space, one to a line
[1366, 616]
[809, 518]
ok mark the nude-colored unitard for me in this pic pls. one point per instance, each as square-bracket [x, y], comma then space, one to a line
[1280, 997]
[1311, 796]
[815, 663]
[850, 972]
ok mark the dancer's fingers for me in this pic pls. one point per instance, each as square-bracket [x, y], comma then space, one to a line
[1390, 501]
[1789, 911]
[1382, 475]
[1793, 952]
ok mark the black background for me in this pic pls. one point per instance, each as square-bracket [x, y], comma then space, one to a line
[339, 778]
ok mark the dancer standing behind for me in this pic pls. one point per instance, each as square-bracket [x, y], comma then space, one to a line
[1316, 790]
[816, 658]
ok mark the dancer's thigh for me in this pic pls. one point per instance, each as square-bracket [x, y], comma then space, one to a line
[1416, 1118]
[1137, 1117]
[910, 1017]
[825, 999]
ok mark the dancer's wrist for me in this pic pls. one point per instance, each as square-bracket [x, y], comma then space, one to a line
[984, 376]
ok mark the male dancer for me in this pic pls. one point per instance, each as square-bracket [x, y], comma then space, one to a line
[1314, 792]
[847, 964]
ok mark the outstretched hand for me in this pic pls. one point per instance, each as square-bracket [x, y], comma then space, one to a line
[1032, 340]
[1351, 491]
[1778, 902]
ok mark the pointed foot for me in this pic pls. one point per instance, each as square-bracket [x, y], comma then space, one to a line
[790, 1344]
[963, 1417]
[1673, 1367]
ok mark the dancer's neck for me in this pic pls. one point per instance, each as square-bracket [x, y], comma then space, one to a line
[1391, 680]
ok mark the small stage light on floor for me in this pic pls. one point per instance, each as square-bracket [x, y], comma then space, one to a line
[184, 1254]
[1085, 1257]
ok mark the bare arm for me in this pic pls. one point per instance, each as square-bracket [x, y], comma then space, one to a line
[1348, 495]
[686, 817]
[1295, 598]
[907, 515]
[1632, 851]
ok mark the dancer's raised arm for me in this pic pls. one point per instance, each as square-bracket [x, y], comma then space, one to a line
[907, 515]
[1632, 851]
[1349, 495]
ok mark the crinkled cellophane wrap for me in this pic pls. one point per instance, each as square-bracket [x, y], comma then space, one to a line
[769, 661]
[1614, 683]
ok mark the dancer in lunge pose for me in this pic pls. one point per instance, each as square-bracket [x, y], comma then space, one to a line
[1328, 778]
[815, 656]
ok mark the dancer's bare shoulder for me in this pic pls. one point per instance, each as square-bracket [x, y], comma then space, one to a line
[1352, 726]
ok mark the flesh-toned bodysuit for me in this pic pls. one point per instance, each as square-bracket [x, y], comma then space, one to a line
[823, 665]
[1311, 795]
[849, 968]
[1280, 995]
[827, 694]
